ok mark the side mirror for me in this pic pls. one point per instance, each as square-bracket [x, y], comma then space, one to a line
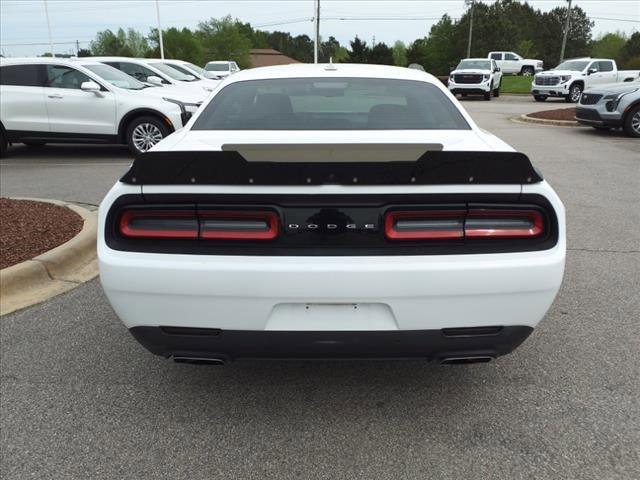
[592, 70]
[153, 80]
[497, 69]
[90, 87]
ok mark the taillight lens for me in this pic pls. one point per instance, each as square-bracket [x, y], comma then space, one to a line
[425, 225]
[239, 225]
[159, 224]
[459, 224]
[503, 223]
[207, 225]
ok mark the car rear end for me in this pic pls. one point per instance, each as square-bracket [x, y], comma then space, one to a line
[317, 244]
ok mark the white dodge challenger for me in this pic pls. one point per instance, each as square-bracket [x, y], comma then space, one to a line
[345, 211]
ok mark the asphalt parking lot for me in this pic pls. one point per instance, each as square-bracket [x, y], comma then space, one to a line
[81, 399]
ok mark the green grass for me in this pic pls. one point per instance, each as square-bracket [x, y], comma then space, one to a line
[516, 84]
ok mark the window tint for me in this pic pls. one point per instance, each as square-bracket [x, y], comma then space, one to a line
[59, 76]
[510, 56]
[330, 104]
[22, 75]
[496, 56]
[139, 72]
[605, 66]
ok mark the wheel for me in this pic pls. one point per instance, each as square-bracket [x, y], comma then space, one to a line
[574, 93]
[144, 132]
[496, 92]
[527, 71]
[34, 144]
[540, 98]
[487, 95]
[3, 144]
[631, 124]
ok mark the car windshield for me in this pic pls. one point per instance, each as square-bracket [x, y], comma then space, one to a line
[115, 77]
[217, 67]
[181, 69]
[474, 65]
[573, 65]
[331, 104]
[195, 68]
[173, 73]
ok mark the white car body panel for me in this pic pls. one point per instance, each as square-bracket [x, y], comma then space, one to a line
[321, 293]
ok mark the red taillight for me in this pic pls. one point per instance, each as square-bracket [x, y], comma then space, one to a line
[159, 224]
[503, 223]
[208, 225]
[239, 225]
[425, 225]
[458, 224]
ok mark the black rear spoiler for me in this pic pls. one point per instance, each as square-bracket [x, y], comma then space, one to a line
[231, 168]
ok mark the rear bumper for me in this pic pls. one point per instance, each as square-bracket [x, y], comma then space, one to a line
[428, 344]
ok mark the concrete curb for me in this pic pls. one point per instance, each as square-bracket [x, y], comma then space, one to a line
[542, 121]
[56, 271]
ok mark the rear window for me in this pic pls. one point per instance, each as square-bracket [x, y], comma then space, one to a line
[22, 75]
[330, 104]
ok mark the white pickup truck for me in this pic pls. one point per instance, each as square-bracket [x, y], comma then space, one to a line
[572, 77]
[510, 62]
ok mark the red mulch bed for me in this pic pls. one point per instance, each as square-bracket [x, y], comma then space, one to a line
[29, 228]
[558, 114]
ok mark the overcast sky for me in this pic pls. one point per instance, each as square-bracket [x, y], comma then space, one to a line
[24, 21]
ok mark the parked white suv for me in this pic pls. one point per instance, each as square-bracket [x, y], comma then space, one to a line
[145, 71]
[569, 79]
[72, 101]
[478, 76]
[222, 69]
[191, 69]
[510, 62]
[184, 73]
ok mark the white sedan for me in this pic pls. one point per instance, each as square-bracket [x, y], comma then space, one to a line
[346, 211]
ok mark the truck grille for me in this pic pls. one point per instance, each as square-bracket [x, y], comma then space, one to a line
[468, 78]
[547, 80]
[590, 98]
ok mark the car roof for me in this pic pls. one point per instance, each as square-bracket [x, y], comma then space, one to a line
[46, 60]
[336, 70]
[478, 58]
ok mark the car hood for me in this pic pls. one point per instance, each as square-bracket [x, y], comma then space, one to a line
[457, 140]
[188, 94]
[472, 72]
[612, 88]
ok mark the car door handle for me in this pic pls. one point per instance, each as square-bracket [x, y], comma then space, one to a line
[55, 95]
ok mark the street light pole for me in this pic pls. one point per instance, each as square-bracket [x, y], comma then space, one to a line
[159, 29]
[472, 2]
[46, 12]
[567, 25]
[316, 38]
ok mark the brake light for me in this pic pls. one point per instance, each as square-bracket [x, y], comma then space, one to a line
[503, 223]
[459, 224]
[159, 224]
[425, 225]
[206, 225]
[239, 225]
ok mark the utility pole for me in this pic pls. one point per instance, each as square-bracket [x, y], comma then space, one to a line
[77, 48]
[46, 12]
[159, 29]
[472, 3]
[316, 38]
[567, 25]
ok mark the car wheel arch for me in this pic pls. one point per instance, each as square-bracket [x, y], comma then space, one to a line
[137, 113]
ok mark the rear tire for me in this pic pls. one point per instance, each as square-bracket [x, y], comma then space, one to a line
[144, 132]
[631, 124]
[527, 71]
[540, 98]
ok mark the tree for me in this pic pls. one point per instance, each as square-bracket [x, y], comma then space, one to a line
[549, 34]
[126, 44]
[399, 54]
[225, 39]
[359, 52]
[332, 50]
[630, 53]
[441, 51]
[609, 45]
[178, 44]
[417, 51]
[83, 52]
[381, 54]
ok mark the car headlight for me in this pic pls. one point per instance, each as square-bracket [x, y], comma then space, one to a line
[451, 77]
[486, 77]
[613, 100]
[565, 78]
